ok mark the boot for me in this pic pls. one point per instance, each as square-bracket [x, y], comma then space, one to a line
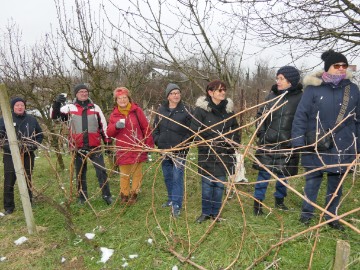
[124, 199]
[132, 199]
[258, 208]
[279, 203]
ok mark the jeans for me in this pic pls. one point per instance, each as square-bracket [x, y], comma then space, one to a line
[81, 169]
[173, 171]
[212, 192]
[312, 186]
[260, 188]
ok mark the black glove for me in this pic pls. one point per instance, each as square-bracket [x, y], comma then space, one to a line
[60, 98]
[120, 124]
[28, 147]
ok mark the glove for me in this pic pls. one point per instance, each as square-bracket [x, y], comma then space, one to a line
[28, 147]
[60, 98]
[120, 124]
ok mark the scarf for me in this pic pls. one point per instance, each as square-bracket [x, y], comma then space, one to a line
[125, 111]
[333, 78]
[219, 109]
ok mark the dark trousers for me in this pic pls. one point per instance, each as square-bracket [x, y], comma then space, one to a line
[10, 177]
[81, 169]
[312, 186]
[260, 188]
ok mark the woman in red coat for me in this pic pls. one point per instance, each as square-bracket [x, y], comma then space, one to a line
[130, 129]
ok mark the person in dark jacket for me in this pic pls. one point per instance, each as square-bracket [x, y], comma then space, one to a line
[274, 135]
[170, 131]
[87, 126]
[29, 134]
[330, 104]
[218, 135]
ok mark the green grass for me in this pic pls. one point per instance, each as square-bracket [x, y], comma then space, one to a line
[240, 239]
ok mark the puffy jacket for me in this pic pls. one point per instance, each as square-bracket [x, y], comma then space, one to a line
[219, 159]
[131, 140]
[27, 129]
[87, 123]
[323, 101]
[170, 131]
[275, 132]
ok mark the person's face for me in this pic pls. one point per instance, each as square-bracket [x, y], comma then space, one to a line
[338, 68]
[174, 96]
[218, 95]
[19, 108]
[122, 101]
[82, 95]
[282, 83]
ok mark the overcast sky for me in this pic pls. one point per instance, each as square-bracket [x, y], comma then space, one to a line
[35, 17]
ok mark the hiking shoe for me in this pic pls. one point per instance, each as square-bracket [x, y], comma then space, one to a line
[202, 218]
[166, 204]
[279, 204]
[8, 212]
[258, 208]
[175, 211]
[336, 225]
[108, 200]
[305, 220]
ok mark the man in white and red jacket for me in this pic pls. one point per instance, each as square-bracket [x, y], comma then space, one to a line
[87, 126]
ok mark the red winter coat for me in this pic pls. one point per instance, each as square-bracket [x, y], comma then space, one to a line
[133, 139]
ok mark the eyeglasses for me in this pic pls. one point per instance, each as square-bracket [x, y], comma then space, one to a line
[337, 66]
[83, 92]
[175, 94]
[221, 90]
[280, 79]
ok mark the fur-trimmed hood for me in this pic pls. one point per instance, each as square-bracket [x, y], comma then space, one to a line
[315, 79]
[202, 103]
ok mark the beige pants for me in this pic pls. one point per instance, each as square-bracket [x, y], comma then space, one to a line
[133, 172]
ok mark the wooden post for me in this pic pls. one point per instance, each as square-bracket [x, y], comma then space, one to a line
[342, 255]
[18, 165]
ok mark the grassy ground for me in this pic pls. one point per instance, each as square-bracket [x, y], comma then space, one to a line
[237, 242]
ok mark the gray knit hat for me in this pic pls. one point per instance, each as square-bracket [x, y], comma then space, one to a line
[78, 87]
[170, 87]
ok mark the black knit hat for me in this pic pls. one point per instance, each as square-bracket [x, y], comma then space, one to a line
[16, 99]
[331, 57]
[78, 87]
[290, 73]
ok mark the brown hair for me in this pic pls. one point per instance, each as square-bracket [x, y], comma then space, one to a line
[213, 85]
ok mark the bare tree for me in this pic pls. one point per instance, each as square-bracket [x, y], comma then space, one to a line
[306, 26]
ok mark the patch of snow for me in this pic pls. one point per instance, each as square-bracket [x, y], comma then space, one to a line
[1, 214]
[175, 267]
[2, 259]
[63, 260]
[21, 240]
[90, 235]
[133, 256]
[106, 254]
[150, 241]
[125, 264]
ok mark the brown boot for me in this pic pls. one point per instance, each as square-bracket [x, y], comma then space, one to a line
[132, 199]
[124, 199]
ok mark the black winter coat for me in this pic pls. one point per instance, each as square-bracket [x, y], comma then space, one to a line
[27, 129]
[170, 131]
[216, 157]
[275, 132]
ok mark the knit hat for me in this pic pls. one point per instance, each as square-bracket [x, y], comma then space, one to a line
[16, 99]
[331, 57]
[170, 87]
[121, 91]
[291, 74]
[78, 87]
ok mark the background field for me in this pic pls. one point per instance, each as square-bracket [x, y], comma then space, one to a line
[237, 242]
